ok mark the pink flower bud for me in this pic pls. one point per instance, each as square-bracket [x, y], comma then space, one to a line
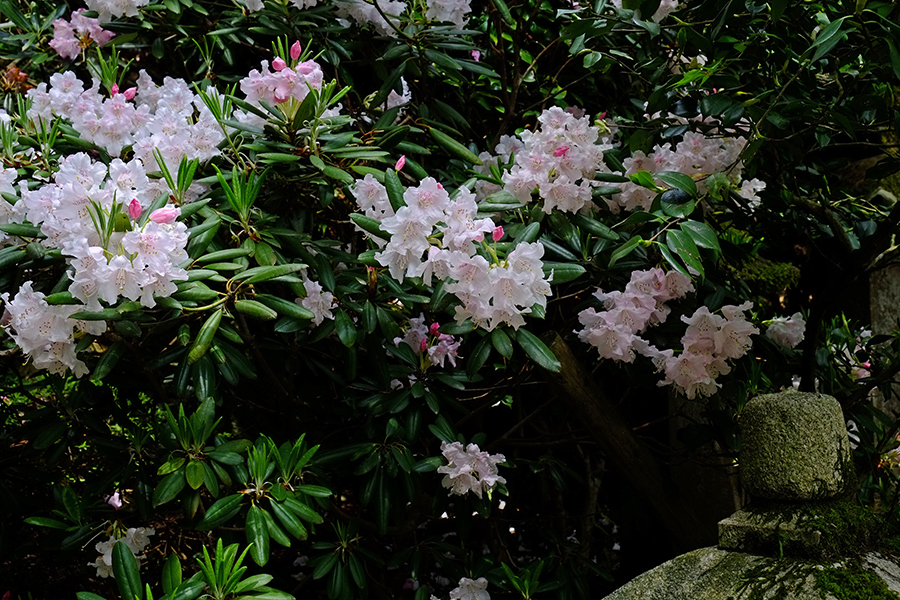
[130, 93]
[433, 330]
[423, 345]
[115, 501]
[278, 64]
[134, 209]
[560, 151]
[296, 49]
[400, 163]
[476, 55]
[497, 234]
[166, 214]
[115, 89]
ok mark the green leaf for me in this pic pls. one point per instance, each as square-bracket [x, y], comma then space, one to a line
[702, 234]
[645, 179]
[170, 486]
[255, 310]
[257, 535]
[453, 147]
[537, 350]
[370, 225]
[677, 180]
[171, 575]
[194, 473]
[681, 244]
[895, 57]
[625, 249]
[222, 511]
[290, 521]
[562, 272]
[827, 39]
[317, 491]
[46, 522]
[303, 511]
[257, 274]
[125, 569]
[346, 331]
[502, 343]
[170, 466]
[205, 337]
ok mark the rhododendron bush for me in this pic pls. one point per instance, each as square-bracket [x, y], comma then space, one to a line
[325, 298]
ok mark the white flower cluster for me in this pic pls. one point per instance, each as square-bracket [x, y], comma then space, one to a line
[452, 11]
[318, 301]
[787, 331]
[365, 13]
[115, 8]
[665, 7]
[70, 37]
[135, 538]
[283, 83]
[469, 589]
[163, 118]
[499, 291]
[46, 333]
[559, 160]
[135, 262]
[697, 156]
[709, 341]
[429, 342]
[614, 331]
[470, 469]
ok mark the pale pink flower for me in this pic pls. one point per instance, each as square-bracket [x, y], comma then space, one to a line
[787, 331]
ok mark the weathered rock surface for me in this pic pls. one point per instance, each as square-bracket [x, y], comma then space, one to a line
[794, 447]
[713, 574]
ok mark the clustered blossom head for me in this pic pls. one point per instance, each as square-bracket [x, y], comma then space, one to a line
[665, 7]
[787, 331]
[365, 13]
[71, 37]
[470, 469]
[709, 342]
[135, 538]
[712, 161]
[559, 160]
[614, 330]
[469, 589]
[169, 119]
[283, 83]
[453, 11]
[134, 261]
[436, 236]
[427, 341]
[45, 333]
[317, 300]
[115, 8]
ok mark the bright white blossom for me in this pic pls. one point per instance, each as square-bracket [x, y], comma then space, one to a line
[787, 331]
[135, 538]
[318, 301]
[470, 469]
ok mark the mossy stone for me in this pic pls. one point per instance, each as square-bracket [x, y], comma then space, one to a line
[794, 447]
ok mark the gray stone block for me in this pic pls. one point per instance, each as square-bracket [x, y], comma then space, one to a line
[794, 447]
